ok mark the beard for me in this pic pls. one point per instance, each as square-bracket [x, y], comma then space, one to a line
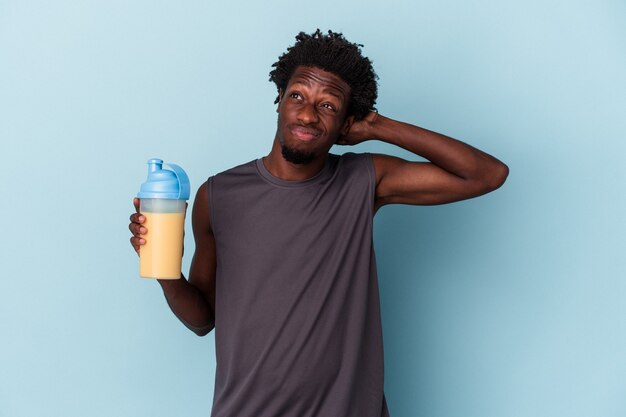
[291, 154]
[295, 156]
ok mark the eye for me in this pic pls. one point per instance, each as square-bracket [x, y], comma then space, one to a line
[295, 95]
[329, 106]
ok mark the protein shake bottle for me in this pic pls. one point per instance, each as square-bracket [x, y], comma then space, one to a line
[163, 203]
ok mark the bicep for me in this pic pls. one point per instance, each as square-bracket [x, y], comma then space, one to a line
[418, 183]
[204, 262]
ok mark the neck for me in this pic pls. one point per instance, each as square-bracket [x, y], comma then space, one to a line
[279, 167]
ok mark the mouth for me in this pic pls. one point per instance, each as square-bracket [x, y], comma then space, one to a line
[304, 134]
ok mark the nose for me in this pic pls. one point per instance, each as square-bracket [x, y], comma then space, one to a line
[308, 114]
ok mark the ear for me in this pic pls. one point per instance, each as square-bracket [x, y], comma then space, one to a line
[279, 99]
[347, 124]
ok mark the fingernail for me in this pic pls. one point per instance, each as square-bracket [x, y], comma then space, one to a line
[142, 230]
[142, 218]
[142, 241]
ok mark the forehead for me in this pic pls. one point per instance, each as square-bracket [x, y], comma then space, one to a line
[319, 78]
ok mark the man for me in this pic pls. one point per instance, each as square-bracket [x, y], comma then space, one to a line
[284, 266]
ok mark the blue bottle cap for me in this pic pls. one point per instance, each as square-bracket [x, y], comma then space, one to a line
[172, 184]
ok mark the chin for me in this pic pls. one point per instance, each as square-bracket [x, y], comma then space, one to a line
[296, 156]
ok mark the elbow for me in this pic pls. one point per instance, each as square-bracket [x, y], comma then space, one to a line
[490, 180]
[496, 177]
[501, 175]
[202, 331]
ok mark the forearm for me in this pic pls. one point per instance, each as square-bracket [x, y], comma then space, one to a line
[450, 154]
[189, 305]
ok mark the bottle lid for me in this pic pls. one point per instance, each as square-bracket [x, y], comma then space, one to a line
[172, 184]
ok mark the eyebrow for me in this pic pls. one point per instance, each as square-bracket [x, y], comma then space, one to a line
[333, 91]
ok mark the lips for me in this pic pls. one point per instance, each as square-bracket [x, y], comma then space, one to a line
[305, 134]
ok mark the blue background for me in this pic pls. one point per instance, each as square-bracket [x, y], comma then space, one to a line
[509, 305]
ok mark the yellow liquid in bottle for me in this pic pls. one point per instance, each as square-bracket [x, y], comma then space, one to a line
[161, 256]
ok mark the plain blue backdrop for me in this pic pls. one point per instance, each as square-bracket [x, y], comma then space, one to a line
[509, 305]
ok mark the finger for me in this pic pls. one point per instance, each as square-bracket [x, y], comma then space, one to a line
[136, 243]
[137, 230]
[137, 218]
[136, 204]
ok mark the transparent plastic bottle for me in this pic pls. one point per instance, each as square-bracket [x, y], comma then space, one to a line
[163, 203]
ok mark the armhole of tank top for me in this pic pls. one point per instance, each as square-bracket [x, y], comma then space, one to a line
[209, 188]
[372, 181]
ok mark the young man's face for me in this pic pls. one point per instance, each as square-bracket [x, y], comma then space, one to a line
[312, 114]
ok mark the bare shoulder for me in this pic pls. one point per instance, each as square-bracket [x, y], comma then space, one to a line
[391, 170]
[384, 163]
[397, 179]
[201, 220]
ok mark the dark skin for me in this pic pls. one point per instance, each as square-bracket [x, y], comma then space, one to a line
[312, 118]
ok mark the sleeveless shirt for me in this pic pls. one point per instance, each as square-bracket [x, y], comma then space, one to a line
[297, 315]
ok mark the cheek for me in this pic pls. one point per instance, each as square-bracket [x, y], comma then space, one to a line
[334, 124]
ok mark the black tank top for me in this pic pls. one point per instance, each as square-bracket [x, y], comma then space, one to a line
[297, 316]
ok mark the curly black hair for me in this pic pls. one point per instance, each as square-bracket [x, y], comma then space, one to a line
[332, 53]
